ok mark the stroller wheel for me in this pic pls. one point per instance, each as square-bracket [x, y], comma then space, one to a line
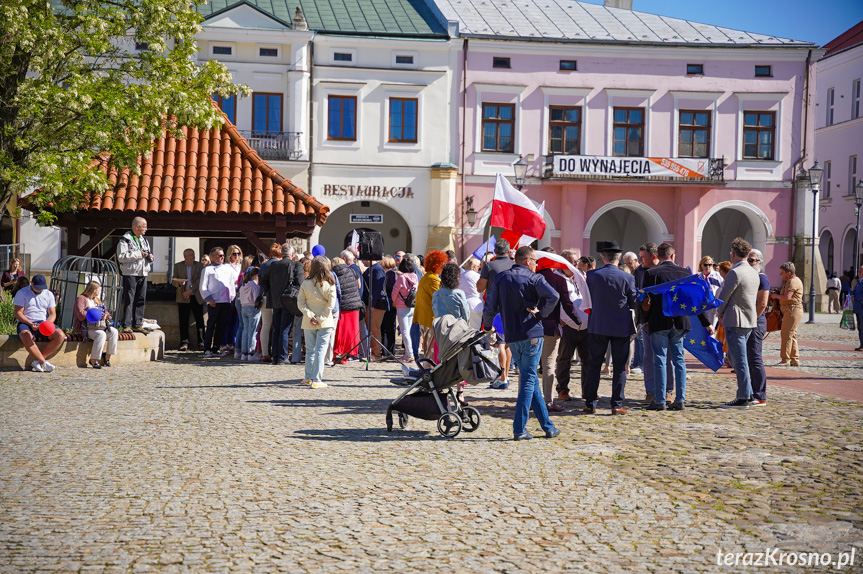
[403, 421]
[449, 425]
[470, 419]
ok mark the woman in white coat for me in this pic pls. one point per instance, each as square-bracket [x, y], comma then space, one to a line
[316, 300]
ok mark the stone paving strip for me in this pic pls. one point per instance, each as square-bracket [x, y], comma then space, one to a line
[193, 465]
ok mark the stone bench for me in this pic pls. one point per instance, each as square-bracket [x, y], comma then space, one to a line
[132, 348]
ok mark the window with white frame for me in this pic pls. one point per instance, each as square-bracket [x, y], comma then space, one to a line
[852, 174]
[828, 171]
[855, 99]
[759, 135]
[498, 127]
[831, 100]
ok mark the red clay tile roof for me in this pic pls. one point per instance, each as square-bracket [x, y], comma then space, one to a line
[208, 172]
[848, 39]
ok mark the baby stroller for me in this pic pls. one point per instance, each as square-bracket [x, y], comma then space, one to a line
[462, 353]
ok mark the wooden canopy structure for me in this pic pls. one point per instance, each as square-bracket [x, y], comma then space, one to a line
[209, 183]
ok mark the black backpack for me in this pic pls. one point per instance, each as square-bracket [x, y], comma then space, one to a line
[411, 298]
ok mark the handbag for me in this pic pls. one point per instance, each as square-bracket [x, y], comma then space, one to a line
[847, 321]
[774, 320]
[289, 300]
[102, 323]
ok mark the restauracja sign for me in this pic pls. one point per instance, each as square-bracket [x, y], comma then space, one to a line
[382, 191]
[629, 166]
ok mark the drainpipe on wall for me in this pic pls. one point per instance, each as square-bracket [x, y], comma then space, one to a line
[802, 158]
[463, 124]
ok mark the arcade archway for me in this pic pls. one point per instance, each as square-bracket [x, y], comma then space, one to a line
[827, 248]
[729, 220]
[630, 223]
[394, 230]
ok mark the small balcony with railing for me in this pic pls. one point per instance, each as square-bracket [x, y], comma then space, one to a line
[275, 145]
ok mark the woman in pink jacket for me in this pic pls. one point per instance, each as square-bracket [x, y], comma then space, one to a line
[402, 299]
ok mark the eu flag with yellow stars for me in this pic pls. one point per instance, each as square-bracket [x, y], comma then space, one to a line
[685, 296]
[704, 347]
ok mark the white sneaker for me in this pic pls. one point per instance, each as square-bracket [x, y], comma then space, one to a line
[637, 371]
[306, 384]
[254, 358]
[208, 353]
[318, 385]
[238, 355]
[47, 366]
[37, 366]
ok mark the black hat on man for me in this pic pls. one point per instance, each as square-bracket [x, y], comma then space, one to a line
[608, 247]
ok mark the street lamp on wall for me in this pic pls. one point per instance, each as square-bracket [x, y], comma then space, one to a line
[470, 213]
[858, 203]
[520, 169]
[815, 185]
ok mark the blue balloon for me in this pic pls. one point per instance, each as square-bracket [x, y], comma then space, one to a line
[497, 323]
[318, 250]
[94, 315]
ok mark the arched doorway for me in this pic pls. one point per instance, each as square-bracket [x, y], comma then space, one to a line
[394, 230]
[630, 223]
[848, 251]
[827, 251]
[728, 220]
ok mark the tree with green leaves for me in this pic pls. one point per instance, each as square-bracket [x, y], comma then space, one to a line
[81, 79]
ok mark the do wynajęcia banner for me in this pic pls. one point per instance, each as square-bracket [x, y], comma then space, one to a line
[630, 166]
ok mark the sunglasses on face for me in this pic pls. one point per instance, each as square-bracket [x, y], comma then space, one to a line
[234, 254]
[708, 265]
[752, 261]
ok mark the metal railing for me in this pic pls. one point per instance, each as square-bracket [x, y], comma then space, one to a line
[274, 145]
[715, 174]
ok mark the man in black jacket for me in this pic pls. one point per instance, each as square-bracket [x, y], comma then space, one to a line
[666, 333]
[279, 276]
[374, 279]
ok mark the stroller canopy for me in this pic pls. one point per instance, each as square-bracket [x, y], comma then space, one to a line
[451, 334]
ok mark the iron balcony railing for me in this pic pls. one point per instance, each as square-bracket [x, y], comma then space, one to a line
[275, 145]
[715, 173]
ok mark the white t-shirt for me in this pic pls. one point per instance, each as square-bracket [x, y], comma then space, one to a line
[35, 306]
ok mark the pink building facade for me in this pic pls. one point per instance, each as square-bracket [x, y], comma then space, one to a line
[839, 146]
[728, 105]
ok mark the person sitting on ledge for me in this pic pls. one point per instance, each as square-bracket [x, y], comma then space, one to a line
[33, 305]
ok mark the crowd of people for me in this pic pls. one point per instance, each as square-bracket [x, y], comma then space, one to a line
[289, 307]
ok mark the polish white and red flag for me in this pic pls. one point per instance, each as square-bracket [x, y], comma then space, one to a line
[512, 210]
[547, 260]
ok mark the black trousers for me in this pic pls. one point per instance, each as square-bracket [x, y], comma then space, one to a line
[597, 345]
[196, 309]
[571, 341]
[757, 374]
[283, 322]
[134, 298]
[388, 331]
[217, 326]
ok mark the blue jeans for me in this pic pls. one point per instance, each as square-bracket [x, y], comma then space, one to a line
[238, 337]
[755, 360]
[317, 343]
[298, 340]
[668, 344]
[251, 317]
[637, 354]
[647, 355]
[526, 355]
[415, 339]
[736, 338]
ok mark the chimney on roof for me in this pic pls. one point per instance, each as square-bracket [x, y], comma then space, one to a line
[624, 4]
[300, 20]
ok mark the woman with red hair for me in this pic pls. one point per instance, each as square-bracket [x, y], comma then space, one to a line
[423, 313]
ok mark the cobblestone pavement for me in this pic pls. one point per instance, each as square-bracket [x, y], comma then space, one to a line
[217, 466]
[833, 357]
